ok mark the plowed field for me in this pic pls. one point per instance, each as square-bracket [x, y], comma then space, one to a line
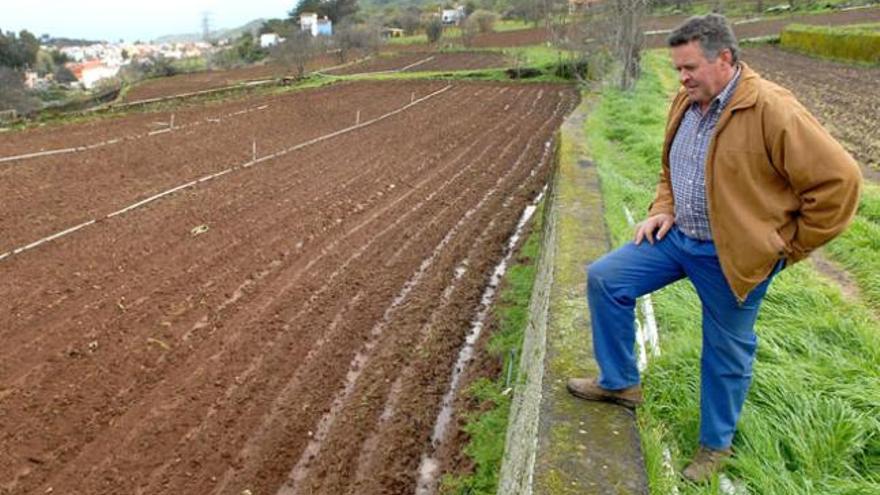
[426, 61]
[772, 26]
[287, 327]
[201, 81]
[842, 96]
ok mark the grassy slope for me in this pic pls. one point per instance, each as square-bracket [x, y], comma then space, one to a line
[812, 420]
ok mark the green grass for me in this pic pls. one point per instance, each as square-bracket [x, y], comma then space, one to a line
[487, 427]
[190, 64]
[512, 25]
[858, 248]
[536, 55]
[454, 33]
[811, 424]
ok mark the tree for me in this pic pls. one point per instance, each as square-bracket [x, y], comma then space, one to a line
[484, 20]
[335, 10]
[308, 6]
[296, 51]
[59, 58]
[611, 32]
[18, 51]
[30, 46]
[13, 94]
[362, 38]
[282, 27]
[434, 29]
[248, 51]
[469, 30]
[409, 20]
[62, 75]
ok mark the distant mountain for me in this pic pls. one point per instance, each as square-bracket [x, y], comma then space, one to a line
[63, 42]
[251, 27]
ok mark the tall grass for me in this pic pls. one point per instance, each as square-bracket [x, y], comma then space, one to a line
[811, 424]
[858, 249]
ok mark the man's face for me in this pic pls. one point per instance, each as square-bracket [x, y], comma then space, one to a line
[702, 78]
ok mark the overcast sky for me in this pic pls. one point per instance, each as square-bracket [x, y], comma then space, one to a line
[132, 20]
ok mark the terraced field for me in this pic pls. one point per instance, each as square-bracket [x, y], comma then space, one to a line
[183, 312]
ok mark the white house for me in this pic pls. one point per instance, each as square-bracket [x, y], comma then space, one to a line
[311, 23]
[269, 39]
[452, 16]
[89, 73]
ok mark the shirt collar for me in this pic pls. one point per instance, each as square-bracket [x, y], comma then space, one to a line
[726, 93]
[720, 101]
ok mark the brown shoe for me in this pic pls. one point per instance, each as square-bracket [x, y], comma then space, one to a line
[706, 462]
[588, 389]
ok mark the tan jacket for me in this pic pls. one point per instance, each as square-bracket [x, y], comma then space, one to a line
[777, 184]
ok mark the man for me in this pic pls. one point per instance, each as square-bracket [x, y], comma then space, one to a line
[750, 183]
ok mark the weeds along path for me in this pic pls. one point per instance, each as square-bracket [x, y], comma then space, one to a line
[843, 97]
[142, 356]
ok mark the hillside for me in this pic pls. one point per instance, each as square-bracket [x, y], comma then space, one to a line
[252, 27]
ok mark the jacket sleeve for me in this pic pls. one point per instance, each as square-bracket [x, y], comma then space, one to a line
[822, 174]
[663, 202]
[663, 199]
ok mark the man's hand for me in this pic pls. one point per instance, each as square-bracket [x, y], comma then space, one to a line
[645, 230]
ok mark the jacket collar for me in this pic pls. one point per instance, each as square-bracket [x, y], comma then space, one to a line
[746, 94]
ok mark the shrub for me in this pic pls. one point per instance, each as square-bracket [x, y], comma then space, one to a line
[434, 29]
[13, 93]
[484, 19]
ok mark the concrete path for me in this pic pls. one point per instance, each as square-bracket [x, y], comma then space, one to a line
[557, 444]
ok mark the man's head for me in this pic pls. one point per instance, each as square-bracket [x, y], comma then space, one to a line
[704, 51]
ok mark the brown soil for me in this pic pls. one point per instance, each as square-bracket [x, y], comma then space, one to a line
[842, 96]
[768, 27]
[520, 37]
[427, 61]
[303, 342]
[61, 135]
[836, 274]
[201, 81]
[47, 195]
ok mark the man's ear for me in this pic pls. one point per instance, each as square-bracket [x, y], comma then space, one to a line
[726, 55]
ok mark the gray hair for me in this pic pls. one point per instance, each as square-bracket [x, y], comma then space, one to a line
[711, 30]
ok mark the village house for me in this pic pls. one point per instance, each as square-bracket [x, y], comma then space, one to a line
[317, 26]
[452, 16]
[90, 72]
[270, 39]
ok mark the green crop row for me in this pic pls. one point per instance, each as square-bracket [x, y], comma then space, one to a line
[857, 43]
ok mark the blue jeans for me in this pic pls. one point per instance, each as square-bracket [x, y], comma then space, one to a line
[729, 341]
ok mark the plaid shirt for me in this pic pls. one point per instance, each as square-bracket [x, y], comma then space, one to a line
[687, 162]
